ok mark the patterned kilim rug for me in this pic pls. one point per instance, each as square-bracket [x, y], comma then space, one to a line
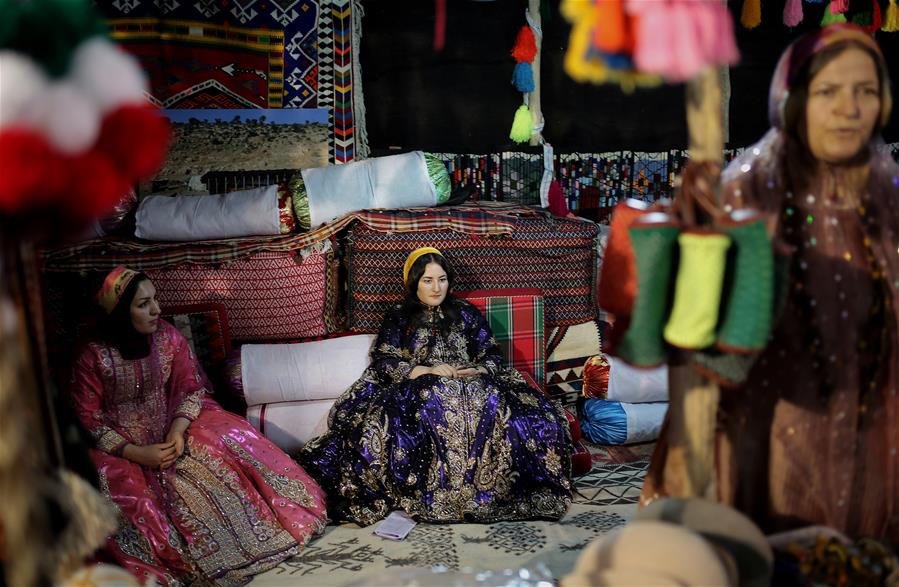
[348, 555]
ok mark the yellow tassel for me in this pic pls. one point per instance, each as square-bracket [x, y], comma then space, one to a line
[891, 21]
[522, 126]
[752, 13]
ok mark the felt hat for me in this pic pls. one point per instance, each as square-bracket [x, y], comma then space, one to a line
[650, 552]
[731, 533]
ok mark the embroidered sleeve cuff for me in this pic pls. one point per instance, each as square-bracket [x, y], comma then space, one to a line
[110, 441]
[190, 407]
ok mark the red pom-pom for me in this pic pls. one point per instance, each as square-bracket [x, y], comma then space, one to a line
[29, 167]
[525, 48]
[136, 139]
[95, 185]
[557, 203]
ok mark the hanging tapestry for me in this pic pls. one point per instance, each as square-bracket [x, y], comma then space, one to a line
[244, 54]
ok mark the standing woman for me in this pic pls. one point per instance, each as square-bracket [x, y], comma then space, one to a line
[437, 425]
[202, 496]
[812, 436]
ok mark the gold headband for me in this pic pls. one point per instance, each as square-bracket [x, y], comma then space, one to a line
[113, 287]
[413, 257]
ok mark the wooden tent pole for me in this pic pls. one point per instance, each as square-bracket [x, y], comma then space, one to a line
[534, 97]
[693, 401]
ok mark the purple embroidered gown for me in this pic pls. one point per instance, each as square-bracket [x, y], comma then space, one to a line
[481, 448]
[232, 506]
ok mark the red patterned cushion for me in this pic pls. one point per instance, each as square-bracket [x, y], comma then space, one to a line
[268, 295]
[205, 326]
[516, 318]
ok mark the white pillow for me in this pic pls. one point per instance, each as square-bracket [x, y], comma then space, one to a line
[395, 181]
[290, 425]
[634, 385]
[321, 369]
[251, 212]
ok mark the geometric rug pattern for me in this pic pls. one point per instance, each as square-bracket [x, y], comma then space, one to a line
[432, 554]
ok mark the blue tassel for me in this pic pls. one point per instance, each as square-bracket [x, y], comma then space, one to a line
[815, 1]
[523, 77]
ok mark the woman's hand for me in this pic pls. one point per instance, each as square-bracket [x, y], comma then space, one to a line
[176, 434]
[441, 370]
[471, 371]
[154, 456]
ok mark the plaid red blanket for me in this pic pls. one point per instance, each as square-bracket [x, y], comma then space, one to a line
[475, 218]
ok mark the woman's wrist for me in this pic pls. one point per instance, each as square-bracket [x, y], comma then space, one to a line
[179, 425]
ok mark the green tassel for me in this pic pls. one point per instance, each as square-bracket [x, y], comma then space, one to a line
[439, 176]
[522, 126]
[300, 199]
[830, 18]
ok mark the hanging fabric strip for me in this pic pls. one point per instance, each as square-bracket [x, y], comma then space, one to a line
[547, 174]
[361, 148]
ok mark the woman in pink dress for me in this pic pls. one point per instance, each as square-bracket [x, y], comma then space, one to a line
[204, 498]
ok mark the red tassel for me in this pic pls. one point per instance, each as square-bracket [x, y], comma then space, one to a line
[439, 25]
[29, 167]
[596, 377]
[135, 159]
[525, 48]
[557, 203]
[839, 6]
[876, 18]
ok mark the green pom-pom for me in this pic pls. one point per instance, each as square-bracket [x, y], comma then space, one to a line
[48, 31]
[830, 18]
[522, 126]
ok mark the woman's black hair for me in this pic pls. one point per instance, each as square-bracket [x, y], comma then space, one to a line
[419, 312]
[794, 109]
[117, 329]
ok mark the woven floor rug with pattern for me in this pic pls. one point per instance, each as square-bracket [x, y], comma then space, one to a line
[605, 499]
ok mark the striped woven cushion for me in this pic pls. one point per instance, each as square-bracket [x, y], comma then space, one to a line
[516, 318]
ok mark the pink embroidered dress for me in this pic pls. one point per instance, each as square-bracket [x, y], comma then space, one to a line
[233, 505]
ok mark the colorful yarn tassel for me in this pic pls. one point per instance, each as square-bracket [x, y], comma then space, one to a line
[831, 17]
[839, 6]
[697, 295]
[618, 275]
[654, 247]
[522, 126]
[748, 306]
[751, 16]
[891, 21]
[610, 34]
[870, 21]
[557, 203]
[523, 77]
[596, 377]
[793, 12]
[525, 48]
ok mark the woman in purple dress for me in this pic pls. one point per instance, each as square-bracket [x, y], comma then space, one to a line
[437, 425]
[203, 497]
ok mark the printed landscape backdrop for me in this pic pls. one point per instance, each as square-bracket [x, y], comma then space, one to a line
[247, 139]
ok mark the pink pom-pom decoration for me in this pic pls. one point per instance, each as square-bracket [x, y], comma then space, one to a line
[95, 186]
[839, 6]
[27, 161]
[792, 12]
[66, 116]
[108, 75]
[22, 82]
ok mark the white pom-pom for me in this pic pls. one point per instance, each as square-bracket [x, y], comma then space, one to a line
[66, 116]
[21, 82]
[107, 74]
